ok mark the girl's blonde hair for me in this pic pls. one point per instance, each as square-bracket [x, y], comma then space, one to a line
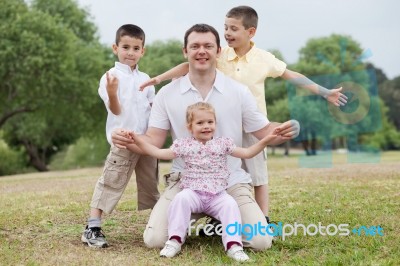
[199, 106]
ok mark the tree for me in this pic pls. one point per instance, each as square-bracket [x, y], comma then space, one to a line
[380, 75]
[331, 61]
[330, 55]
[390, 93]
[386, 138]
[50, 77]
[275, 89]
[71, 16]
[276, 100]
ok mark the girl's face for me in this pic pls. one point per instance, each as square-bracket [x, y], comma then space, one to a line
[203, 125]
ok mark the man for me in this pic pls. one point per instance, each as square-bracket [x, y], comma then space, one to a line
[236, 110]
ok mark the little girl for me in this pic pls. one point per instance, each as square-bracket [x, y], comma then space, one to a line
[203, 180]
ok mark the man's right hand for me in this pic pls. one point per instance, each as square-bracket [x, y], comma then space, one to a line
[121, 138]
[289, 130]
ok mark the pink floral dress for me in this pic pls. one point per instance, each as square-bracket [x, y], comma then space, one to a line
[205, 164]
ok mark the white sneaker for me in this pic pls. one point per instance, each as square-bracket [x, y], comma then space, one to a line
[171, 248]
[236, 252]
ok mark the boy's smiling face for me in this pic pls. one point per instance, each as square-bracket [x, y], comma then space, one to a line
[235, 34]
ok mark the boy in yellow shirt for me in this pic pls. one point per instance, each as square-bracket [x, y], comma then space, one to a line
[246, 63]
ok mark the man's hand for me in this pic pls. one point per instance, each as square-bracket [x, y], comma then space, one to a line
[288, 130]
[121, 138]
[335, 97]
[150, 82]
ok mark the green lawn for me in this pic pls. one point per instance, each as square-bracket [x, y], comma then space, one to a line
[42, 216]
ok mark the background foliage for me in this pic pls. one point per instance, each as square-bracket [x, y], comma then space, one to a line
[51, 60]
[50, 72]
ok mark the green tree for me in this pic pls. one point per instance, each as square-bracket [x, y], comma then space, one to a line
[387, 137]
[380, 75]
[50, 77]
[334, 54]
[390, 93]
[275, 89]
[71, 16]
[328, 61]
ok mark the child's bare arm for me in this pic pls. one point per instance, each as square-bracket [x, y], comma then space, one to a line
[253, 150]
[176, 72]
[164, 154]
[112, 89]
[333, 96]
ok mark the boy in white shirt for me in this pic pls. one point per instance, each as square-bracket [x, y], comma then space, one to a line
[128, 108]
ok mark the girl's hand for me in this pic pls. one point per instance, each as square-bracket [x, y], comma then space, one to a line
[121, 138]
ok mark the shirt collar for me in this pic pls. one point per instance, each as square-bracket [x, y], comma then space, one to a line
[186, 85]
[125, 68]
[232, 54]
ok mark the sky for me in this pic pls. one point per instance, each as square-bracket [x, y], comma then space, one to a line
[285, 25]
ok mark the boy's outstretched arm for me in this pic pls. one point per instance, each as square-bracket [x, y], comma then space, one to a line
[333, 96]
[175, 72]
[164, 154]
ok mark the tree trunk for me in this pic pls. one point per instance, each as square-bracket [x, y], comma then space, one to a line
[34, 158]
[287, 148]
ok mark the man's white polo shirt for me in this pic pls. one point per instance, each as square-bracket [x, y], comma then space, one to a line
[135, 105]
[235, 108]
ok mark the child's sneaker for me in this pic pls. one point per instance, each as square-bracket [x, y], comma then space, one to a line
[171, 248]
[236, 252]
[94, 237]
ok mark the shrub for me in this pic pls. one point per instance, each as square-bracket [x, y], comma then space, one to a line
[11, 161]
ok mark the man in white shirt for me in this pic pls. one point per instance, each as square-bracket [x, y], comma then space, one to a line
[236, 110]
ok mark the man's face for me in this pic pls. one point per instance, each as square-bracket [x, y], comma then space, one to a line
[201, 51]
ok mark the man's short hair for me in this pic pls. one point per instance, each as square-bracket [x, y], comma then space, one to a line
[202, 28]
[131, 31]
[247, 14]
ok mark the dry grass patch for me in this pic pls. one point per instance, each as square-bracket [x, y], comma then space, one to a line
[42, 216]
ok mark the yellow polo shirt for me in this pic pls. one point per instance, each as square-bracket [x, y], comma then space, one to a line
[251, 69]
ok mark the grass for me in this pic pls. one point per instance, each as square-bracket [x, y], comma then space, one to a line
[42, 216]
